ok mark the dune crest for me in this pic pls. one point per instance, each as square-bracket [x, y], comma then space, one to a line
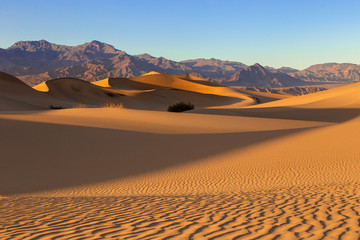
[150, 73]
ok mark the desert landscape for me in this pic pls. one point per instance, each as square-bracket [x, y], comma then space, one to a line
[183, 120]
[106, 160]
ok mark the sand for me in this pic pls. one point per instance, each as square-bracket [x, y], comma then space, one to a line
[230, 169]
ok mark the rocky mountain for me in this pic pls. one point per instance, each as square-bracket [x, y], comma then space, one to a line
[214, 68]
[297, 91]
[37, 61]
[258, 76]
[343, 72]
[287, 70]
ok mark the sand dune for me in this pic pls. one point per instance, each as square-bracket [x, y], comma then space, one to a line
[77, 91]
[124, 84]
[334, 105]
[16, 95]
[150, 73]
[285, 169]
[172, 81]
[227, 159]
[157, 91]
[342, 97]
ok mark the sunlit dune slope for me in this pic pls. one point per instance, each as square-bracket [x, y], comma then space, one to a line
[172, 81]
[195, 79]
[157, 91]
[342, 97]
[150, 73]
[334, 105]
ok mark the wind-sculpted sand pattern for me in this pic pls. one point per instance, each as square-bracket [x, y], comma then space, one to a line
[329, 212]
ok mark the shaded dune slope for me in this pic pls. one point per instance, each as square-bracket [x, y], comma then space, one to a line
[106, 145]
[16, 95]
[124, 84]
[75, 91]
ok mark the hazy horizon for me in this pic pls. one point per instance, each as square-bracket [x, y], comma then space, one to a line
[293, 34]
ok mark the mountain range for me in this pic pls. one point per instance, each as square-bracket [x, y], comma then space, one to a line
[37, 61]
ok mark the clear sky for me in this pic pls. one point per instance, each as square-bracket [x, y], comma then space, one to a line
[295, 33]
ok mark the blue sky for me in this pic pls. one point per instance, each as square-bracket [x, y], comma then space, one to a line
[295, 33]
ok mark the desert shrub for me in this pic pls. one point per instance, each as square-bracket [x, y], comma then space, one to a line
[55, 107]
[113, 105]
[181, 107]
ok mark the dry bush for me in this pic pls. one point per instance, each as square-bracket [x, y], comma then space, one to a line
[181, 107]
[113, 105]
[55, 107]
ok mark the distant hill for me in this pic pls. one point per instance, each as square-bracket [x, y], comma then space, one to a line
[282, 69]
[344, 72]
[215, 69]
[37, 61]
[297, 91]
[257, 76]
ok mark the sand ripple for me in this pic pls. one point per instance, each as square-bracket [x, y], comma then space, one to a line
[327, 212]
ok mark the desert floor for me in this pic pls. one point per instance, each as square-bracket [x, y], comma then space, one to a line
[286, 168]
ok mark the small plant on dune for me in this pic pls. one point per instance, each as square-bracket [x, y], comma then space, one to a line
[55, 107]
[113, 105]
[181, 107]
[80, 106]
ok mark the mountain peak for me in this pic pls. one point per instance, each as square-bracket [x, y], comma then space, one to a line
[98, 44]
[144, 55]
[257, 65]
[257, 68]
[256, 75]
[98, 47]
[31, 46]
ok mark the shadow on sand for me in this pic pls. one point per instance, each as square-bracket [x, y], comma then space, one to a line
[333, 115]
[42, 156]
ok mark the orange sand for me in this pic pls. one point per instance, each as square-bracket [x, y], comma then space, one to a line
[230, 169]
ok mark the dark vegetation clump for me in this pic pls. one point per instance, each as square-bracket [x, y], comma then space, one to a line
[181, 107]
[55, 107]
